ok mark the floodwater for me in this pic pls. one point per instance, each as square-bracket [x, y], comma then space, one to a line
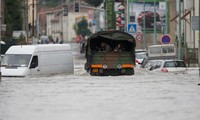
[144, 96]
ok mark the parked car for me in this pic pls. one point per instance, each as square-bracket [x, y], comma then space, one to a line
[172, 66]
[140, 50]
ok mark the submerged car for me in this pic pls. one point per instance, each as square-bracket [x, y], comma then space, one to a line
[167, 66]
[110, 53]
[139, 57]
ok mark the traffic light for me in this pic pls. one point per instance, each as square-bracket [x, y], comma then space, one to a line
[76, 6]
[65, 10]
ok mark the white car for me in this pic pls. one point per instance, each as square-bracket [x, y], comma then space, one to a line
[139, 57]
[172, 66]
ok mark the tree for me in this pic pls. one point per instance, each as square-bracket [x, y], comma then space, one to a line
[13, 16]
[110, 20]
[94, 3]
[81, 28]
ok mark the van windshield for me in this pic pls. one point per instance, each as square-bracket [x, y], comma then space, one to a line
[16, 60]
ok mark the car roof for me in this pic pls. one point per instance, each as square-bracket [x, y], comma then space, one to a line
[167, 60]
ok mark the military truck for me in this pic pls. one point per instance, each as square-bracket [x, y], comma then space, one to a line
[102, 59]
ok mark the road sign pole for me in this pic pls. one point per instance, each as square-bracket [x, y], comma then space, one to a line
[166, 19]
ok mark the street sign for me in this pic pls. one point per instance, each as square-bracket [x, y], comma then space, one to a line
[166, 39]
[139, 37]
[132, 28]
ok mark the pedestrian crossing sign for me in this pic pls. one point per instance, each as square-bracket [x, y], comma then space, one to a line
[132, 28]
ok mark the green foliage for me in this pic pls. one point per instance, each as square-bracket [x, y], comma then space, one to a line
[21, 40]
[110, 14]
[94, 3]
[81, 28]
[13, 15]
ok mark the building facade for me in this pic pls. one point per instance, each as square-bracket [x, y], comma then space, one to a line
[32, 16]
[186, 22]
[62, 27]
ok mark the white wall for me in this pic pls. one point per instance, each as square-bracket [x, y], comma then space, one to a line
[68, 23]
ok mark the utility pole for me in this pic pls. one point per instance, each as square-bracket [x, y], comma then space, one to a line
[33, 15]
[25, 19]
[155, 34]
[37, 19]
[179, 32]
[194, 30]
[199, 40]
[0, 38]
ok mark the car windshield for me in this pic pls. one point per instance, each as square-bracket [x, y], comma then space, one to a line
[15, 60]
[174, 64]
[141, 56]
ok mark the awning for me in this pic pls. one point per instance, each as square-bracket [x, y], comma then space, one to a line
[183, 17]
[174, 18]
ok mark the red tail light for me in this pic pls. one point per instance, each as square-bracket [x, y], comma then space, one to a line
[164, 70]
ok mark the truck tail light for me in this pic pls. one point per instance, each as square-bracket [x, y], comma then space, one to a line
[96, 66]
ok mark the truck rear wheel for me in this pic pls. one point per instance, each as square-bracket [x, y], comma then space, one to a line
[130, 71]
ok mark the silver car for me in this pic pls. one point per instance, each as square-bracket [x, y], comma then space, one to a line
[174, 66]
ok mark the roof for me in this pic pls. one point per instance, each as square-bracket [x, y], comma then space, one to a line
[29, 49]
[162, 45]
[113, 35]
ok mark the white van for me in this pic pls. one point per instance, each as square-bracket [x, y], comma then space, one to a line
[37, 60]
[162, 51]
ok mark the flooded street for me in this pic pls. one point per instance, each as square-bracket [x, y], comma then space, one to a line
[144, 96]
